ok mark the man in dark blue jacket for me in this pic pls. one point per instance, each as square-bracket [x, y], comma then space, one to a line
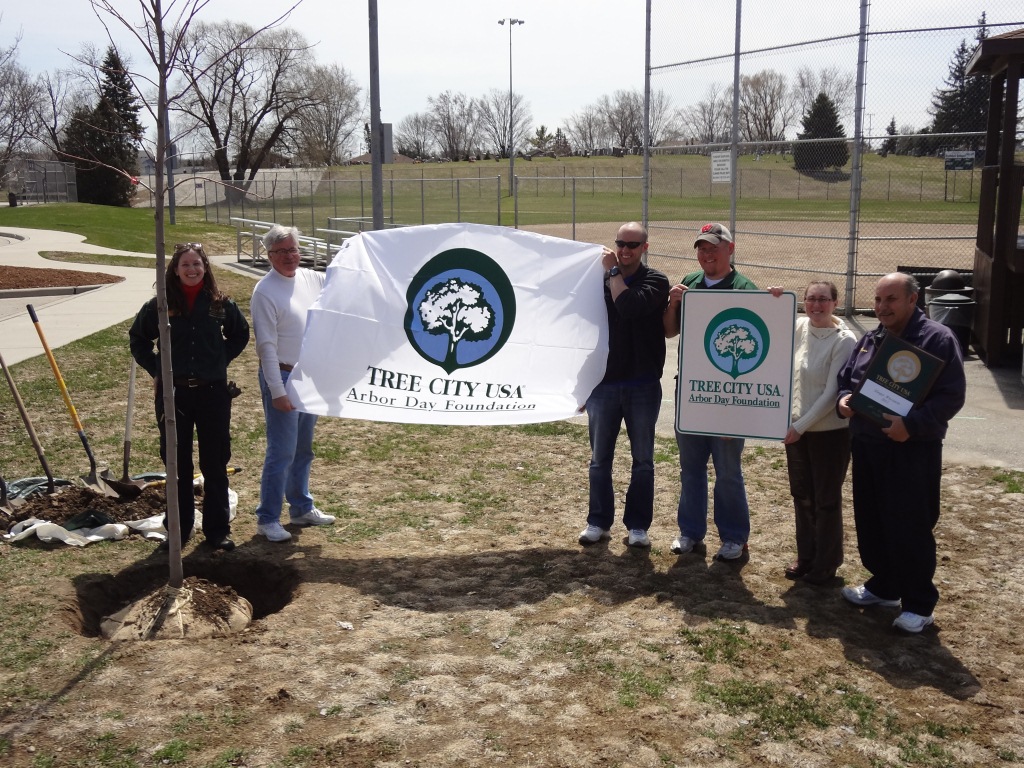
[635, 296]
[897, 468]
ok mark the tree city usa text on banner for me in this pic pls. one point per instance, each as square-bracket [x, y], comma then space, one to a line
[455, 324]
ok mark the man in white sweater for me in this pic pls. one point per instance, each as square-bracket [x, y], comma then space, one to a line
[279, 305]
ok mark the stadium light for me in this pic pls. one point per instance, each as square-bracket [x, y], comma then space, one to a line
[511, 129]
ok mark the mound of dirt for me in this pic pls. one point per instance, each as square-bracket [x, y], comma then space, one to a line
[32, 277]
[72, 500]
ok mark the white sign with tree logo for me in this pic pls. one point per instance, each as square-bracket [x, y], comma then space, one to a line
[735, 363]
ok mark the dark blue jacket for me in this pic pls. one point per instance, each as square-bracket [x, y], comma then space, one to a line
[929, 419]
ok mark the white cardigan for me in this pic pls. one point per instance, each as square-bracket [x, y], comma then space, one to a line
[818, 355]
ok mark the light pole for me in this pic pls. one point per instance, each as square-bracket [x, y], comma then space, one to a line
[511, 129]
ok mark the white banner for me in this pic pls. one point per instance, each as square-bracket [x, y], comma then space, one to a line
[455, 324]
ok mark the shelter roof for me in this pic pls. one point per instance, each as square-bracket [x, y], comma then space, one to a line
[995, 52]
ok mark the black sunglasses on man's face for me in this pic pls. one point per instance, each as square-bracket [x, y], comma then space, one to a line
[628, 243]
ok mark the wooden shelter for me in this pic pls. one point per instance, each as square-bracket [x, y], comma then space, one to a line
[999, 248]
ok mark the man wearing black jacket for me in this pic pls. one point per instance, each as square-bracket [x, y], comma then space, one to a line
[635, 296]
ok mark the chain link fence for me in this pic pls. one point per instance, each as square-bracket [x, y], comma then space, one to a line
[899, 188]
[846, 188]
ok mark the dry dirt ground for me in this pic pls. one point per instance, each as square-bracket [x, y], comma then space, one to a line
[450, 619]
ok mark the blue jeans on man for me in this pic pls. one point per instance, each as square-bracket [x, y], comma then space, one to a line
[609, 405]
[288, 460]
[732, 515]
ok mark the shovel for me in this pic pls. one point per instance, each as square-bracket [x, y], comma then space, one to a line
[28, 426]
[91, 480]
[126, 487]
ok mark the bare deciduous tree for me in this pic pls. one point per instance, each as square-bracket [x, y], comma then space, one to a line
[415, 136]
[20, 97]
[455, 122]
[244, 88]
[839, 86]
[623, 112]
[662, 119]
[766, 106]
[163, 37]
[709, 120]
[323, 129]
[494, 121]
[587, 130]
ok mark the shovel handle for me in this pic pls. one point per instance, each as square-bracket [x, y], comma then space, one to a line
[56, 371]
[63, 390]
[28, 426]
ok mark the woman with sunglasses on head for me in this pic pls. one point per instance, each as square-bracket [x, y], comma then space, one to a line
[208, 331]
[818, 441]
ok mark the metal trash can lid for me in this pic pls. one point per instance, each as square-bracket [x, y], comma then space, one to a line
[951, 299]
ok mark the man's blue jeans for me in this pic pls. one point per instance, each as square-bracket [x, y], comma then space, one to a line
[288, 459]
[732, 515]
[608, 406]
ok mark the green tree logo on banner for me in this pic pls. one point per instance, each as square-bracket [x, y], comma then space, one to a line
[736, 341]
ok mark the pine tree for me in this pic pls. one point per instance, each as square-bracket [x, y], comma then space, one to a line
[962, 106]
[103, 142]
[821, 122]
[889, 145]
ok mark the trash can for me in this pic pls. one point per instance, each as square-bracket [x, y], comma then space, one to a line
[945, 282]
[956, 312]
[12, 200]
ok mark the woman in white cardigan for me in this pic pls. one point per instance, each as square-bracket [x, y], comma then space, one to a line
[818, 441]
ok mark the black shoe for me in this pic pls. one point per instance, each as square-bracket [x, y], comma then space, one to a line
[165, 545]
[225, 544]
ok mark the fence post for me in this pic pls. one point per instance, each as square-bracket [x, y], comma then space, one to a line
[423, 201]
[499, 199]
[515, 196]
[458, 201]
[573, 207]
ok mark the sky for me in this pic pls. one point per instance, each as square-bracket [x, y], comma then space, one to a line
[569, 52]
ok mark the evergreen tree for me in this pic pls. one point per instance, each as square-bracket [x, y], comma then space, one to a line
[889, 145]
[962, 106]
[821, 122]
[103, 142]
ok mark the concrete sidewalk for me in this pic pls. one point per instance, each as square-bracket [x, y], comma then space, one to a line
[65, 314]
[988, 431]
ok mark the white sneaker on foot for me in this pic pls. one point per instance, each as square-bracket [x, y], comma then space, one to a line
[863, 596]
[593, 534]
[731, 550]
[912, 622]
[273, 531]
[313, 517]
[638, 538]
[683, 544]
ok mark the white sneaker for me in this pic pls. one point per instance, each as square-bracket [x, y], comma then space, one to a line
[273, 532]
[731, 550]
[638, 538]
[313, 517]
[912, 622]
[593, 534]
[863, 596]
[683, 544]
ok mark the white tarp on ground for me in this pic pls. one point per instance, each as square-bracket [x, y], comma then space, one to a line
[455, 324]
[150, 528]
